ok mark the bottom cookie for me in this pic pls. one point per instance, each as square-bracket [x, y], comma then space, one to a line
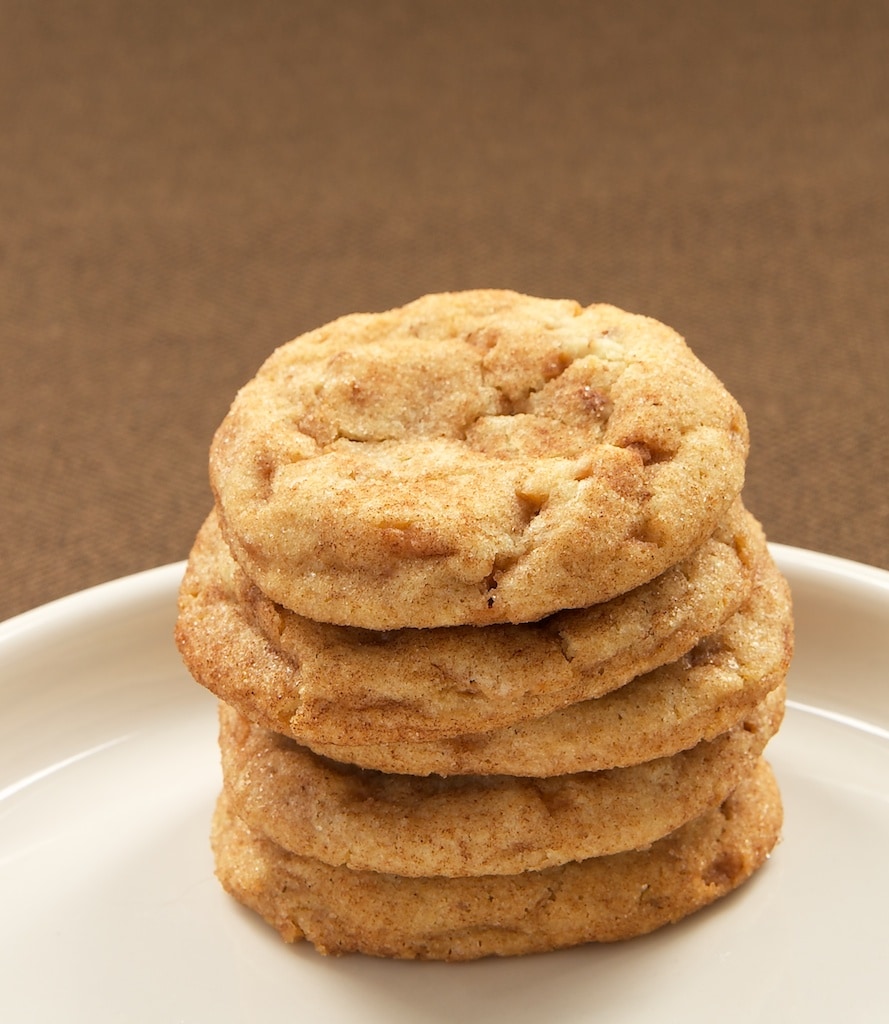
[603, 899]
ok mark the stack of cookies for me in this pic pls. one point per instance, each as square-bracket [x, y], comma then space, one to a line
[497, 645]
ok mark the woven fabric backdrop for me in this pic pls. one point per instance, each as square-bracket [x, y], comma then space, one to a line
[184, 186]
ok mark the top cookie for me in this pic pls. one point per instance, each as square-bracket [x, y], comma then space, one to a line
[472, 458]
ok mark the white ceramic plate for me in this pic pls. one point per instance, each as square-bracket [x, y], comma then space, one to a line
[109, 910]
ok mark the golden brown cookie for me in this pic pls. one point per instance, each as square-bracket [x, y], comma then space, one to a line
[472, 458]
[475, 825]
[674, 707]
[602, 899]
[335, 684]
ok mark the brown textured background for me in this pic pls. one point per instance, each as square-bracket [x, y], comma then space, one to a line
[184, 186]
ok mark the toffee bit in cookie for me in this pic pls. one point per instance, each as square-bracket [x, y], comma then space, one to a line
[595, 402]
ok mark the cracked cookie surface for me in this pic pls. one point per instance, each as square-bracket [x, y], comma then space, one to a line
[472, 458]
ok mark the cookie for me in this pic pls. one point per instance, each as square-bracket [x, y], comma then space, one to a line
[601, 899]
[697, 697]
[475, 825]
[473, 458]
[336, 684]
